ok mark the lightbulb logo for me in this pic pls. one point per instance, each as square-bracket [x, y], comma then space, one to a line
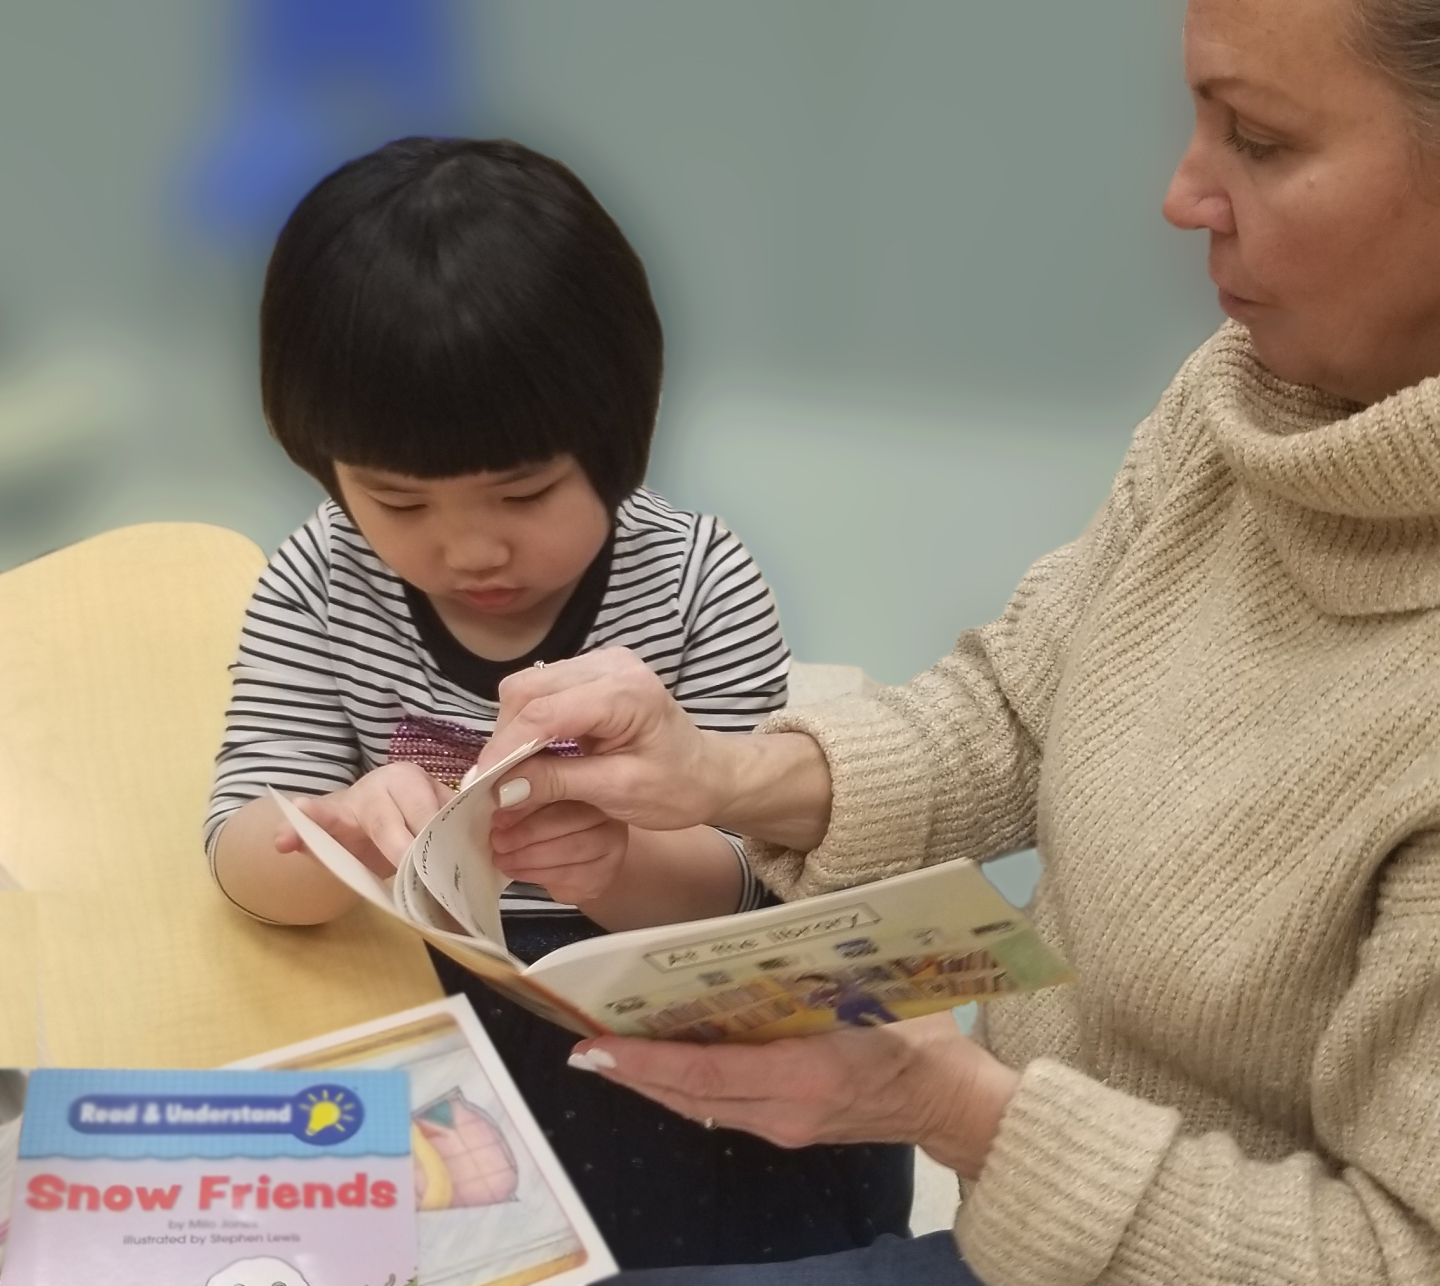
[328, 1114]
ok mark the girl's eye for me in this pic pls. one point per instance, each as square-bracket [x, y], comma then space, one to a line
[530, 496]
[398, 509]
[1255, 150]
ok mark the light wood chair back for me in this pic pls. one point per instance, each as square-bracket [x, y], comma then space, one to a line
[116, 950]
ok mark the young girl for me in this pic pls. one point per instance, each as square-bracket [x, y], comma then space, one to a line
[460, 345]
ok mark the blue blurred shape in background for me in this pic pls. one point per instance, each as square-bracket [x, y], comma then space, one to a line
[317, 82]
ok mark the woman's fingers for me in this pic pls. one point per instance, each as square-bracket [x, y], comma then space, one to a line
[572, 849]
[513, 829]
[763, 1089]
[712, 1075]
[520, 689]
[919, 1081]
[614, 785]
[645, 761]
[606, 700]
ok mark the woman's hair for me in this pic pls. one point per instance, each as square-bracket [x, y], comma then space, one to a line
[451, 306]
[1402, 38]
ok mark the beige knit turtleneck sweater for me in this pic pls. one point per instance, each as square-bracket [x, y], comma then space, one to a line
[1217, 715]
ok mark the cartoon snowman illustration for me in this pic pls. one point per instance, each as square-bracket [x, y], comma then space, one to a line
[264, 1271]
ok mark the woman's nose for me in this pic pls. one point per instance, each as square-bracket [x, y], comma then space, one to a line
[1195, 201]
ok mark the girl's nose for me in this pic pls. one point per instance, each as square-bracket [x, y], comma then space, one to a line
[475, 553]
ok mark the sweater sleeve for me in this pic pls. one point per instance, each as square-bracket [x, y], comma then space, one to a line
[948, 765]
[1086, 1185]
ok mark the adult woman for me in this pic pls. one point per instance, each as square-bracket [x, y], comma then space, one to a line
[1218, 716]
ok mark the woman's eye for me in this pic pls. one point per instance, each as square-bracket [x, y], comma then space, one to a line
[1253, 148]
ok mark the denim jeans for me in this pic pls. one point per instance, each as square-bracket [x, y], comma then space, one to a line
[931, 1260]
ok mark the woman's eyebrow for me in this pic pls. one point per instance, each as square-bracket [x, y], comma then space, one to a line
[1213, 86]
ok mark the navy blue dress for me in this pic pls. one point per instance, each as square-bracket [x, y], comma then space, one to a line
[664, 1191]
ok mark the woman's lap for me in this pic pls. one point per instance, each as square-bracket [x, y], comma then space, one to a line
[891, 1261]
[663, 1190]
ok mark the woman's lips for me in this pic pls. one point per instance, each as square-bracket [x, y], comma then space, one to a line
[1237, 306]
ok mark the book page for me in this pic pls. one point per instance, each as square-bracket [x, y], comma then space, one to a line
[452, 853]
[495, 1206]
[335, 857]
[878, 953]
[480, 955]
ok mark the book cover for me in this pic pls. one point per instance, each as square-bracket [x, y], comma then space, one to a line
[495, 1206]
[214, 1179]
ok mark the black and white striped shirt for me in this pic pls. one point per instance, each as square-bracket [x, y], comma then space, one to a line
[332, 660]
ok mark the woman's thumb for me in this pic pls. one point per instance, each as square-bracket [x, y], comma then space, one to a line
[547, 779]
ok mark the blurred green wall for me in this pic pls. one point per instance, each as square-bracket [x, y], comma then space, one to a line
[912, 267]
[909, 255]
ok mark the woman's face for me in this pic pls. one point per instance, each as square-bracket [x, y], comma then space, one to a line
[1323, 210]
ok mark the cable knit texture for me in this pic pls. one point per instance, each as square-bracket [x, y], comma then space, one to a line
[1217, 716]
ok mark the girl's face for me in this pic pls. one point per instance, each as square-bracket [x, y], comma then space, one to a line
[1322, 208]
[486, 545]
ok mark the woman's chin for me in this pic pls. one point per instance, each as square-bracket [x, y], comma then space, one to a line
[1285, 357]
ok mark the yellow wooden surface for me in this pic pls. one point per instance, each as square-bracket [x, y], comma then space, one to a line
[19, 981]
[113, 684]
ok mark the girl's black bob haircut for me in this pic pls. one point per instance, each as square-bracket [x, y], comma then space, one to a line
[445, 306]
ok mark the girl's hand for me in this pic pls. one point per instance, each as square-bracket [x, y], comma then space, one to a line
[920, 1082]
[377, 818]
[573, 850]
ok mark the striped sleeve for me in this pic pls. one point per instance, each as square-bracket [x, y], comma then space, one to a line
[285, 725]
[735, 666]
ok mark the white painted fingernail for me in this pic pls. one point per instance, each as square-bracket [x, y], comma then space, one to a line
[515, 791]
[591, 1060]
[469, 777]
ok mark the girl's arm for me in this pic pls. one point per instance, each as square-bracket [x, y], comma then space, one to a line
[285, 726]
[269, 873]
[283, 888]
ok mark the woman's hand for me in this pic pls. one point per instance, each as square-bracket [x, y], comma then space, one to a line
[572, 850]
[377, 818]
[919, 1082]
[645, 761]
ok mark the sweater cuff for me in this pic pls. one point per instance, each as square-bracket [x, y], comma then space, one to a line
[880, 810]
[1069, 1166]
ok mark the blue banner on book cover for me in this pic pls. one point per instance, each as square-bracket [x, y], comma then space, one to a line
[214, 1178]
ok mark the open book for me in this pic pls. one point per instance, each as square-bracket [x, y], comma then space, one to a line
[898, 948]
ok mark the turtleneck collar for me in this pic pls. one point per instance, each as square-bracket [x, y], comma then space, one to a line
[1348, 495]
